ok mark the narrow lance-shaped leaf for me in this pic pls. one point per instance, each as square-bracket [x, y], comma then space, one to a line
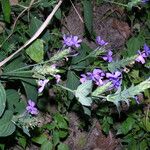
[128, 93]
[6, 10]
[116, 65]
[101, 89]
[88, 15]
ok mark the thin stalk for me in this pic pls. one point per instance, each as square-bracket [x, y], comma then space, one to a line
[124, 5]
[65, 88]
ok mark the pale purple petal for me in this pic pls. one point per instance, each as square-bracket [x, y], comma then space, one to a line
[58, 78]
[41, 84]
[100, 41]
[40, 90]
[31, 108]
[140, 59]
[31, 103]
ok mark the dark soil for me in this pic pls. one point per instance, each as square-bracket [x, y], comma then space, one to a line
[109, 22]
[92, 140]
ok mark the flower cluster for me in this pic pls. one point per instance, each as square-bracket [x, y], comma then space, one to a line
[31, 109]
[99, 77]
[143, 54]
[71, 41]
[108, 56]
[144, 1]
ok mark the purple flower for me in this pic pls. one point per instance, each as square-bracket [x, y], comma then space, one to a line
[100, 41]
[76, 41]
[113, 75]
[108, 57]
[98, 73]
[67, 40]
[97, 76]
[85, 77]
[146, 50]
[31, 108]
[41, 84]
[141, 57]
[71, 41]
[144, 1]
[57, 77]
[115, 78]
[137, 99]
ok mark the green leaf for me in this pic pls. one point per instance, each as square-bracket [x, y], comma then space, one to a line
[101, 89]
[84, 89]
[63, 133]
[119, 64]
[2, 146]
[143, 145]
[14, 64]
[132, 4]
[31, 89]
[2, 99]
[61, 121]
[134, 44]
[87, 111]
[85, 101]
[107, 121]
[58, 14]
[36, 50]
[63, 146]
[126, 126]
[47, 145]
[22, 142]
[88, 15]
[72, 82]
[124, 95]
[12, 99]
[6, 10]
[40, 139]
[7, 127]
[80, 61]
[56, 137]
[34, 26]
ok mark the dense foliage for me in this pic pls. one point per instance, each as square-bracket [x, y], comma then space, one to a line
[45, 74]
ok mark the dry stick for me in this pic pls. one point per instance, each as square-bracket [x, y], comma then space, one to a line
[76, 11]
[38, 32]
[14, 25]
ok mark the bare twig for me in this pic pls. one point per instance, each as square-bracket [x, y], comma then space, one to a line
[14, 25]
[76, 11]
[36, 35]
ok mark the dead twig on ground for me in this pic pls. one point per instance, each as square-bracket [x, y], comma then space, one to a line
[36, 35]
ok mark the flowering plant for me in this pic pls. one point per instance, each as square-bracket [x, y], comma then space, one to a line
[54, 74]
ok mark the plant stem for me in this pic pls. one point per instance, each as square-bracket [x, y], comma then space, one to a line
[72, 91]
[124, 5]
